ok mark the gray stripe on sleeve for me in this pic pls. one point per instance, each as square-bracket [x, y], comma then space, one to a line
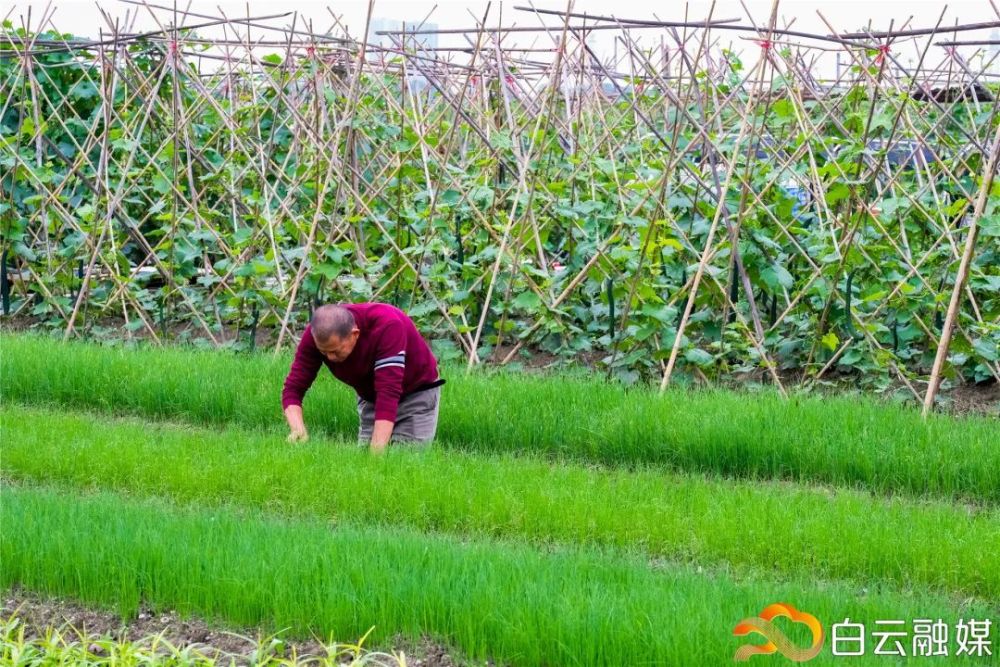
[399, 358]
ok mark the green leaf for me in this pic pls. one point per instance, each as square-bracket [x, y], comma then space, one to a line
[328, 270]
[451, 197]
[783, 108]
[403, 145]
[890, 205]
[777, 276]
[482, 195]
[161, 184]
[837, 193]
[242, 235]
[502, 140]
[990, 225]
[446, 350]
[527, 300]
[664, 313]
[830, 341]
[785, 278]
[699, 357]
[86, 212]
[27, 128]
[986, 349]
[850, 357]
[25, 251]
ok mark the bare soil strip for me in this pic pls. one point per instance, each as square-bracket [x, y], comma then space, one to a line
[39, 613]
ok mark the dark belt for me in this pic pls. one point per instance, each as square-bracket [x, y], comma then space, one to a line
[426, 386]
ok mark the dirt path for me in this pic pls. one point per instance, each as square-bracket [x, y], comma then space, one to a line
[39, 613]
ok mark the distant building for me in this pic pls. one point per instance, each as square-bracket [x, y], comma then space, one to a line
[420, 41]
[414, 43]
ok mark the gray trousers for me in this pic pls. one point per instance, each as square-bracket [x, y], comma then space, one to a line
[416, 418]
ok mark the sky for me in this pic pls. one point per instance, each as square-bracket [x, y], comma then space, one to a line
[83, 18]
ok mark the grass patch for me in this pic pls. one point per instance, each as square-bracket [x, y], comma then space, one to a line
[489, 599]
[840, 441]
[751, 525]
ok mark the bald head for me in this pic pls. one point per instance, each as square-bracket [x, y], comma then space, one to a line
[334, 331]
[331, 321]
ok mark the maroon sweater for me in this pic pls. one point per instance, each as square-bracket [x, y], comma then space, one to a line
[389, 360]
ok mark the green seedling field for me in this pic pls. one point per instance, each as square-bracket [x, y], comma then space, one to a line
[508, 601]
[839, 441]
[559, 520]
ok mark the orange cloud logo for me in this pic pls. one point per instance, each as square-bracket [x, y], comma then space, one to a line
[776, 639]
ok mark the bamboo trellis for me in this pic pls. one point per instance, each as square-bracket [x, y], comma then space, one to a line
[662, 206]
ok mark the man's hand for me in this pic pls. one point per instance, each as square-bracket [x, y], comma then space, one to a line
[298, 435]
[296, 424]
[381, 433]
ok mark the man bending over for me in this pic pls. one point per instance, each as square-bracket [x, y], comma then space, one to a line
[376, 349]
